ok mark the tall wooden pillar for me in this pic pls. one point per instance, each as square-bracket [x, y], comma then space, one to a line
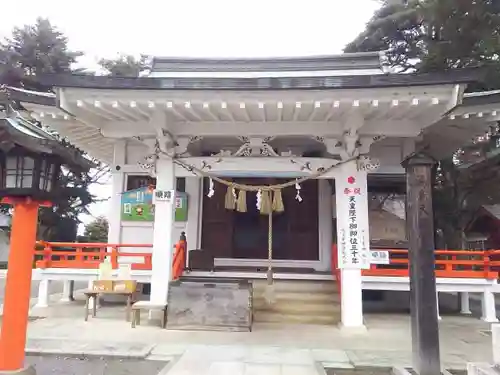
[420, 229]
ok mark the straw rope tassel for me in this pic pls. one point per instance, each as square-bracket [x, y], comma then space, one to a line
[269, 294]
[278, 205]
[229, 200]
[265, 203]
[241, 203]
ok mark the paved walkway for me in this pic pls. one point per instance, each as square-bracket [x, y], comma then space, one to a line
[269, 349]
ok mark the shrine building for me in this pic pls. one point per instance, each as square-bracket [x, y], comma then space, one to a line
[330, 133]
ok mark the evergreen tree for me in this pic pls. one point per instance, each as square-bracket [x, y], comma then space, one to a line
[96, 231]
[125, 65]
[434, 36]
[32, 50]
[37, 49]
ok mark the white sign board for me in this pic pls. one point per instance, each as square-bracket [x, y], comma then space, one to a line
[352, 222]
[163, 196]
[379, 257]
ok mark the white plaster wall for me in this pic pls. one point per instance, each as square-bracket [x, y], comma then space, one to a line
[390, 153]
[135, 152]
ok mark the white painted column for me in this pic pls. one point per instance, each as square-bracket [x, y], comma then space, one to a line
[489, 308]
[325, 225]
[118, 186]
[43, 293]
[163, 240]
[437, 305]
[67, 292]
[349, 181]
[465, 303]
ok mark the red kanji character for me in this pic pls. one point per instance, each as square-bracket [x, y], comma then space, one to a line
[357, 191]
[347, 191]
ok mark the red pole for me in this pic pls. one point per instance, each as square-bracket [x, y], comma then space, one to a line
[18, 286]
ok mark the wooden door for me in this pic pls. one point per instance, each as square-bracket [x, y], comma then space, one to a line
[231, 234]
[302, 217]
[250, 228]
[217, 223]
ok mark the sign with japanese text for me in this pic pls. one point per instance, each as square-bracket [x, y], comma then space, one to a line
[138, 205]
[352, 221]
[379, 257]
[163, 195]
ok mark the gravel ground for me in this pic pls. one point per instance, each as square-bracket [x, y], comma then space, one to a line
[55, 365]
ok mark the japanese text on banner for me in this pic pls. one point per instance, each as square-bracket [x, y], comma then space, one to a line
[354, 250]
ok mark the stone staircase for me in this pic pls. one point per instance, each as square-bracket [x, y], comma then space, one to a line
[301, 302]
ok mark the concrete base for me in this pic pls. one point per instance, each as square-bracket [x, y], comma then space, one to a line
[482, 369]
[405, 371]
[30, 370]
[352, 330]
[495, 342]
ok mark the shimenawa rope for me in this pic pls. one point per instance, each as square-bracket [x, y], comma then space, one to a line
[271, 200]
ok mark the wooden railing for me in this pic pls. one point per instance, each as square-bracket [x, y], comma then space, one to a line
[448, 263]
[89, 255]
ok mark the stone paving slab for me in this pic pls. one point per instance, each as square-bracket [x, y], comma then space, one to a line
[386, 342]
[88, 348]
[384, 358]
[204, 367]
[63, 365]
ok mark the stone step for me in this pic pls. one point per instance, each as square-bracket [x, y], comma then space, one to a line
[298, 286]
[296, 308]
[276, 317]
[300, 302]
[322, 297]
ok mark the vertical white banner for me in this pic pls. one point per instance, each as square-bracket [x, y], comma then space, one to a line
[352, 218]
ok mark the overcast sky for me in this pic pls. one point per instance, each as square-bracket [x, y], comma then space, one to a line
[211, 28]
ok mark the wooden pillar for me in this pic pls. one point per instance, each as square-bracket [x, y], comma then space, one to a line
[18, 285]
[420, 229]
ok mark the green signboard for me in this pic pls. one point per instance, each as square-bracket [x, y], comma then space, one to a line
[137, 205]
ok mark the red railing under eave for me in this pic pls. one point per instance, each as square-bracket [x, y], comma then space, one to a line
[448, 263]
[90, 255]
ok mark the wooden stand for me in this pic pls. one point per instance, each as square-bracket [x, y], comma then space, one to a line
[94, 294]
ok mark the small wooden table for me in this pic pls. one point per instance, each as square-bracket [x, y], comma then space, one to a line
[147, 305]
[95, 293]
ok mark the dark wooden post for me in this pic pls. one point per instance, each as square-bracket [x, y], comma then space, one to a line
[420, 231]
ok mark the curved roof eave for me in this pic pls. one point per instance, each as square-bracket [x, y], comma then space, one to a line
[459, 76]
